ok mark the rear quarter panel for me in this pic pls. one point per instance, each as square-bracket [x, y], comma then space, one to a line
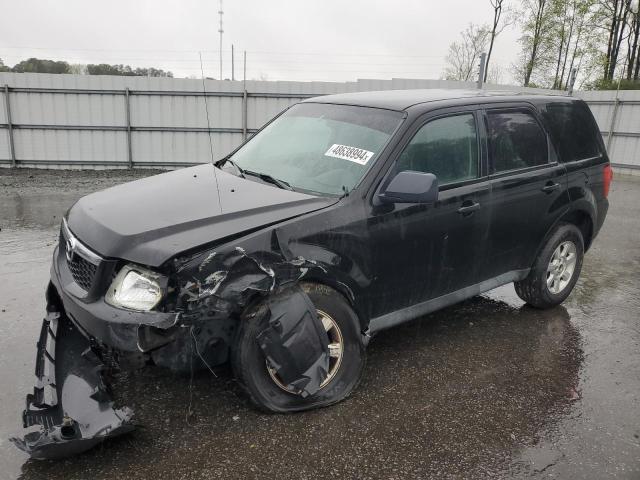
[586, 189]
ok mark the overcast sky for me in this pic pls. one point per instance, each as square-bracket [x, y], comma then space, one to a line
[284, 39]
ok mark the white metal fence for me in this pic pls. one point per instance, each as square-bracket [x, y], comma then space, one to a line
[67, 121]
[618, 116]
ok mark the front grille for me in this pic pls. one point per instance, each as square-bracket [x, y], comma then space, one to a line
[82, 271]
[83, 264]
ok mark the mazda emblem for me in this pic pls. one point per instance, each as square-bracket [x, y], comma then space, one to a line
[70, 247]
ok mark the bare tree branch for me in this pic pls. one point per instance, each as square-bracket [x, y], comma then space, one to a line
[464, 55]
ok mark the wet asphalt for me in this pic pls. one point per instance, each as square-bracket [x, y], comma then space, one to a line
[489, 388]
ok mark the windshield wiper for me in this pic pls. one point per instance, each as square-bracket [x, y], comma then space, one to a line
[228, 160]
[265, 177]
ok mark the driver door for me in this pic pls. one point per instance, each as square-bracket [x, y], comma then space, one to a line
[422, 251]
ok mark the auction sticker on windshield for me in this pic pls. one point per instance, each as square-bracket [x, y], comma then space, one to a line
[353, 154]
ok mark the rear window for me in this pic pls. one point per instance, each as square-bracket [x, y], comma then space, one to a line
[516, 141]
[573, 130]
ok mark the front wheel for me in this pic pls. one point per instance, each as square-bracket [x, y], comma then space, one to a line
[556, 270]
[346, 356]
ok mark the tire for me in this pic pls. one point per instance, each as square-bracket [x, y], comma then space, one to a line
[535, 289]
[250, 369]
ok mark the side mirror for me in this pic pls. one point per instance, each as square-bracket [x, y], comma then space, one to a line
[411, 187]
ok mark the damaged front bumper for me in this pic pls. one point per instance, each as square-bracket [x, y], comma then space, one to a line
[83, 339]
[71, 403]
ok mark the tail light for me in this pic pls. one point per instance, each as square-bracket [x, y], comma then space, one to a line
[608, 176]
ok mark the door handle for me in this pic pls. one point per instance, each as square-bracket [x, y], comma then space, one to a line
[469, 208]
[550, 187]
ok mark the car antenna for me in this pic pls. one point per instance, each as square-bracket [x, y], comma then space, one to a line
[206, 108]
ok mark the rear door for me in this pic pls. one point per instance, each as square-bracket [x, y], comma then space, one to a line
[580, 147]
[528, 188]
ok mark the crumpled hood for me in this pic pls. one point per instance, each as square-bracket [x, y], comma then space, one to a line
[150, 220]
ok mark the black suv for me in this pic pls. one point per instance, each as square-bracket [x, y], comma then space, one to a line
[343, 216]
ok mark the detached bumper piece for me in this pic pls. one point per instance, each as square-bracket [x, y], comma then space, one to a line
[71, 402]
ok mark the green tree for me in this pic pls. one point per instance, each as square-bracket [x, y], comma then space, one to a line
[152, 72]
[36, 65]
[633, 44]
[3, 67]
[621, 83]
[106, 69]
[536, 17]
[125, 70]
[575, 41]
[564, 24]
[617, 27]
[616, 13]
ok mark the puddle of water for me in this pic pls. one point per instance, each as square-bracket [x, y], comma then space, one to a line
[30, 210]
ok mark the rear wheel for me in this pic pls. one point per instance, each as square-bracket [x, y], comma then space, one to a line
[346, 356]
[556, 270]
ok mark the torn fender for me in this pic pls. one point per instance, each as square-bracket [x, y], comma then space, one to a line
[71, 403]
[295, 343]
[224, 282]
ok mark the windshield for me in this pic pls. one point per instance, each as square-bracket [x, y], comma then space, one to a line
[319, 148]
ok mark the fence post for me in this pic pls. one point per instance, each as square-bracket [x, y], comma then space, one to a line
[7, 107]
[613, 122]
[483, 64]
[128, 114]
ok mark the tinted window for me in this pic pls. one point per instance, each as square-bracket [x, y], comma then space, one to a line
[573, 130]
[515, 141]
[446, 147]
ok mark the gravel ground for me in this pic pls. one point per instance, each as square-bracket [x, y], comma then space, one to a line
[486, 389]
[31, 180]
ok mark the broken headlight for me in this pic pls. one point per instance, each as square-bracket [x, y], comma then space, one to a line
[135, 288]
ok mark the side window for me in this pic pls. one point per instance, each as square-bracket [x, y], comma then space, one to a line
[573, 130]
[446, 147]
[515, 141]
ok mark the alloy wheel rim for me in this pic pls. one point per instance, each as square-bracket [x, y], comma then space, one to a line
[561, 267]
[336, 352]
